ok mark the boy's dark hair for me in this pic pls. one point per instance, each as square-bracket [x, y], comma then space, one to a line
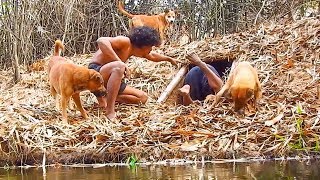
[144, 36]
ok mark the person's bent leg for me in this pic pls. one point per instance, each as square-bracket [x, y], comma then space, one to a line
[132, 95]
[191, 89]
[112, 74]
[184, 92]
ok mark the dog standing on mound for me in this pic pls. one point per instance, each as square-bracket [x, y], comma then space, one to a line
[159, 22]
[68, 80]
[242, 85]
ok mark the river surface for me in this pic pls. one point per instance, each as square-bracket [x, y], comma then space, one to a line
[245, 170]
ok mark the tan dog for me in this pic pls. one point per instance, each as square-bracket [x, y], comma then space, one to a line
[159, 22]
[68, 80]
[242, 84]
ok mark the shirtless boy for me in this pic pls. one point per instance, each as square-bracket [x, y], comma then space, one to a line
[110, 60]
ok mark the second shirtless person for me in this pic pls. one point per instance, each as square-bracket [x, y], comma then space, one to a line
[110, 60]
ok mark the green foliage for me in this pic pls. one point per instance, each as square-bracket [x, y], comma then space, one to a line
[299, 109]
[280, 137]
[132, 161]
[298, 144]
[316, 148]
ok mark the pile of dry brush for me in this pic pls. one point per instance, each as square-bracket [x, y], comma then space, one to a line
[286, 124]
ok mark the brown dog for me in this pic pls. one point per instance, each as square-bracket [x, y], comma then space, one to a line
[159, 22]
[68, 80]
[242, 84]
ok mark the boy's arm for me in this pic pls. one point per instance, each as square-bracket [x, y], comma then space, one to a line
[156, 57]
[107, 45]
[214, 80]
[104, 44]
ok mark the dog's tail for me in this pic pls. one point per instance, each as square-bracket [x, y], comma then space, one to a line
[57, 46]
[123, 11]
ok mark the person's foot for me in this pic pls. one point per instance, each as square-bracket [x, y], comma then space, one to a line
[184, 91]
[111, 115]
[194, 58]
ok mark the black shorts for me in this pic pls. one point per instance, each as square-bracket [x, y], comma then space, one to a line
[198, 81]
[97, 68]
[94, 66]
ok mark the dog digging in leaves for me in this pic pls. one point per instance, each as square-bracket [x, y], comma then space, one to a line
[68, 80]
[242, 85]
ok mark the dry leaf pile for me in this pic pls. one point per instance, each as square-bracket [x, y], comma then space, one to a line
[286, 123]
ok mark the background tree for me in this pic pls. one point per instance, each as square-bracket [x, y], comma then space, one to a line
[29, 28]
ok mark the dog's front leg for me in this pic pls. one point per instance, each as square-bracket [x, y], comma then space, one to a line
[76, 98]
[64, 102]
[255, 103]
[219, 94]
[162, 36]
[258, 92]
[255, 99]
[257, 95]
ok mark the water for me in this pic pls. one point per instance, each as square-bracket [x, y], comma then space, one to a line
[221, 171]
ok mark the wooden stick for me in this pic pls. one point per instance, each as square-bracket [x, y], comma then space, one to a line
[163, 97]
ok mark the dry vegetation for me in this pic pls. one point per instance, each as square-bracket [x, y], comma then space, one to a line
[286, 124]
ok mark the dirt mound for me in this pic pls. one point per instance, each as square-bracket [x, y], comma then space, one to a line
[286, 124]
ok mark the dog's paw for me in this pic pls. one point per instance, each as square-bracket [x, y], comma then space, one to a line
[65, 120]
[85, 116]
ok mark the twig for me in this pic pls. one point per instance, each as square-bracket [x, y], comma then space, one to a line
[255, 20]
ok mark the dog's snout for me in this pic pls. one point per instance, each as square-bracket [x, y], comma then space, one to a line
[103, 89]
[104, 93]
[101, 92]
[171, 20]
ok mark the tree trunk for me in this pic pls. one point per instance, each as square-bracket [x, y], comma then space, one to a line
[15, 40]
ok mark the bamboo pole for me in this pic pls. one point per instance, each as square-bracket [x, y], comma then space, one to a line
[165, 94]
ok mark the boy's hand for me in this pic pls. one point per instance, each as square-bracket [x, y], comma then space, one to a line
[174, 62]
[193, 58]
[127, 72]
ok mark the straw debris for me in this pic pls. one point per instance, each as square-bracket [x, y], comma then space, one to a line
[286, 124]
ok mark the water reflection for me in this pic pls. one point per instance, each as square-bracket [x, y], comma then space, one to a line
[253, 170]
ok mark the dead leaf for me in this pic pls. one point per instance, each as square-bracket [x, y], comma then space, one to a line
[186, 146]
[274, 120]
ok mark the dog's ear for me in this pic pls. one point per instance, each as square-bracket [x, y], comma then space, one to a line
[177, 13]
[166, 10]
[97, 78]
[250, 93]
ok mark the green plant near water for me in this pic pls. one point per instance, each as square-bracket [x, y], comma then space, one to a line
[132, 161]
[299, 143]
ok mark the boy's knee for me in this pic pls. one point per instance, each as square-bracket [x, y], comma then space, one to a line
[119, 64]
[119, 68]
